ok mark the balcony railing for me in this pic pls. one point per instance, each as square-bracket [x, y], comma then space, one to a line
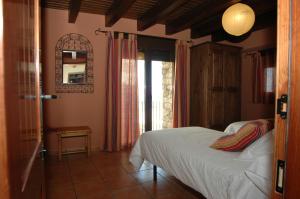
[157, 115]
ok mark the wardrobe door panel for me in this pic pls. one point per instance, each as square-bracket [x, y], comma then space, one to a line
[232, 68]
[217, 110]
[232, 107]
[198, 86]
[216, 74]
[232, 80]
[216, 103]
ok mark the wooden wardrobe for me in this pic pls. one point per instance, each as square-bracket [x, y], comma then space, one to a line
[215, 77]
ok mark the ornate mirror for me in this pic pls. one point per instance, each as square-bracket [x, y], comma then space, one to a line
[74, 64]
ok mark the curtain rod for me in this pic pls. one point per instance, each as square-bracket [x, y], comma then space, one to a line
[97, 31]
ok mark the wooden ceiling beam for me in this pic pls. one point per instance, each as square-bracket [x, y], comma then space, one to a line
[214, 24]
[158, 13]
[117, 10]
[198, 14]
[206, 28]
[74, 8]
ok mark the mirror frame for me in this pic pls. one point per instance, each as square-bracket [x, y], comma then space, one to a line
[74, 42]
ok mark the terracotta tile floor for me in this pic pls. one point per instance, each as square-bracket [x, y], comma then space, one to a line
[109, 176]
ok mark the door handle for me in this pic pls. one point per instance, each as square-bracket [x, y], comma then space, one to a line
[48, 97]
[43, 153]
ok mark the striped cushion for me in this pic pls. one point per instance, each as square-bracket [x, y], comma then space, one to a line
[244, 136]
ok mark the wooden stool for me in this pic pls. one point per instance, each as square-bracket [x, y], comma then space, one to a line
[70, 132]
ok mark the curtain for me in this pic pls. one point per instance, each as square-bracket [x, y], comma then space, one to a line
[130, 112]
[121, 115]
[264, 76]
[180, 86]
[258, 85]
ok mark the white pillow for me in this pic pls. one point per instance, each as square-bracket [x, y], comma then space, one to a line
[260, 173]
[234, 127]
[262, 146]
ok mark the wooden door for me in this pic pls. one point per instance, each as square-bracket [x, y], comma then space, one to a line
[216, 103]
[292, 185]
[287, 130]
[282, 61]
[20, 129]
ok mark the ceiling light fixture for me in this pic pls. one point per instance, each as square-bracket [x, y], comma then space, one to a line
[238, 19]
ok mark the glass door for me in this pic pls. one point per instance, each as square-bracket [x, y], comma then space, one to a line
[157, 79]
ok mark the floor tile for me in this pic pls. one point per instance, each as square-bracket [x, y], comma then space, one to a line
[160, 187]
[106, 163]
[59, 178]
[79, 161]
[136, 192]
[60, 192]
[81, 175]
[121, 182]
[92, 190]
[106, 175]
[54, 161]
[112, 172]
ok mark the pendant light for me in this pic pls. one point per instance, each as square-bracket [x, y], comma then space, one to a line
[238, 19]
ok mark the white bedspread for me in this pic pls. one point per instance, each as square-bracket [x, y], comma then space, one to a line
[185, 153]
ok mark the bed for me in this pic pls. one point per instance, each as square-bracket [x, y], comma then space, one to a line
[185, 154]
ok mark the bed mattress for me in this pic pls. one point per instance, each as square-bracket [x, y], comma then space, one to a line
[185, 153]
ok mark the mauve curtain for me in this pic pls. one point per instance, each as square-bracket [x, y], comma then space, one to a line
[129, 93]
[260, 61]
[180, 86]
[121, 115]
[258, 77]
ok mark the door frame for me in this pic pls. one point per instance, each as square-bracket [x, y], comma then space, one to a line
[4, 166]
[287, 136]
[293, 139]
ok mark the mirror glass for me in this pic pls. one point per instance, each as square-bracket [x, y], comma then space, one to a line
[74, 66]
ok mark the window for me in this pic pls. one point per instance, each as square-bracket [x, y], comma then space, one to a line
[269, 83]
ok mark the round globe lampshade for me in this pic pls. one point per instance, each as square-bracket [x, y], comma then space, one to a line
[238, 19]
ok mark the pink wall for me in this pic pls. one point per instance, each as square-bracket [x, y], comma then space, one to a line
[88, 109]
[81, 109]
[258, 39]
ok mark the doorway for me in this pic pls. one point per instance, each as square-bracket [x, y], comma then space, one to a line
[159, 81]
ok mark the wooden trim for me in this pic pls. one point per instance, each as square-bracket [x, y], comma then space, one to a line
[282, 61]
[293, 151]
[263, 47]
[158, 13]
[219, 44]
[116, 11]
[74, 8]
[148, 91]
[4, 174]
[37, 43]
